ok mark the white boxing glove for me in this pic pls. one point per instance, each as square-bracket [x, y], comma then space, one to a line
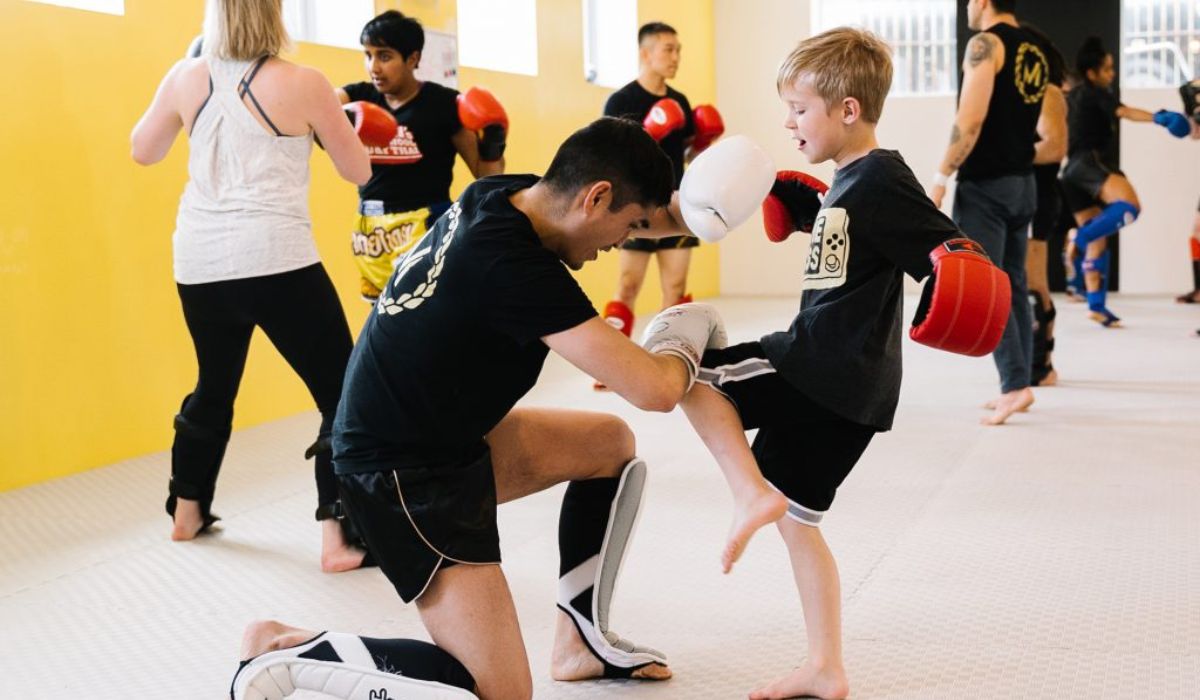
[724, 186]
[685, 331]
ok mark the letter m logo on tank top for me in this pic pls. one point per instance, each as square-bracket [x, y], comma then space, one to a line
[1031, 73]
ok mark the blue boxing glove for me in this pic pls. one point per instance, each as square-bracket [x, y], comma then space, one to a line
[1173, 122]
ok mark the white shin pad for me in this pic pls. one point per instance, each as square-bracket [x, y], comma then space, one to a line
[278, 674]
[600, 573]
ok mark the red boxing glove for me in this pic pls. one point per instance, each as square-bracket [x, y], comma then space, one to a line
[664, 117]
[619, 316]
[964, 306]
[480, 111]
[374, 125]
[709, 127]
[792, 205]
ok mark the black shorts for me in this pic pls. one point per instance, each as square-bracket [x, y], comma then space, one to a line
[804, 450]
[416, 521]
[1083, 178]
[651, 245]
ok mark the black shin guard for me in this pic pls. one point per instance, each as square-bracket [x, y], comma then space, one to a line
[1043, 343]
[594, 529]
[329, 506]
[196, 456]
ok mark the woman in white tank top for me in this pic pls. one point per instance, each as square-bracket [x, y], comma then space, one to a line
[244, 255]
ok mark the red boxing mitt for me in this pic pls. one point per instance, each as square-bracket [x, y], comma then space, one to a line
[964, 306]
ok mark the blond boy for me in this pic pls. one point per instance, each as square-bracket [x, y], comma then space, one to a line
[819, 391]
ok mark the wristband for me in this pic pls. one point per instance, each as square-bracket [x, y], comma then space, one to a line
[940, 179]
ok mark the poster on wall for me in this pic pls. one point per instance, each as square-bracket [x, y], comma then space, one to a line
[439, 59]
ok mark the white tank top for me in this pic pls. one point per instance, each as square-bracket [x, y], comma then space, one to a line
[244, 211]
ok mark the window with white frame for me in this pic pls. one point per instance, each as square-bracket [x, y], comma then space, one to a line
[329, 22]
[610, 42]
[111, 7]
[1160, 41]
[921, 33]
[498, 35]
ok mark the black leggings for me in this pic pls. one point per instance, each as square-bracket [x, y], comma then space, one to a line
[302, 316]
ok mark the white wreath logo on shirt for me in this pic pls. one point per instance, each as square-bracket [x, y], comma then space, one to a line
[425, 290]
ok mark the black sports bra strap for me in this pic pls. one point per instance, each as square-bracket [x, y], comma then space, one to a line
[244, 85]
[202, 104]
[244, 91]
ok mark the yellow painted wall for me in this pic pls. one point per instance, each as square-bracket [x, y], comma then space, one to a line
[94, 354]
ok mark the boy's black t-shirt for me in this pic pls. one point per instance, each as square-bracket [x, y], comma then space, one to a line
[1091, 119]
[455, 339]
[416, 168]
[843, 348]
[634, 102]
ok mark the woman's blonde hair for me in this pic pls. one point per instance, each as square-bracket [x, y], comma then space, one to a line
[841, 63]
[243, 30]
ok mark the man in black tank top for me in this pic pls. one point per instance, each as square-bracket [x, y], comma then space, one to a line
[1005, 75]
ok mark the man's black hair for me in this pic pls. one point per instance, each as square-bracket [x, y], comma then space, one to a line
[620, 152]
[652, 28]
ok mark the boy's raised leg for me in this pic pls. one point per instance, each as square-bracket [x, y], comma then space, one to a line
[755, 503]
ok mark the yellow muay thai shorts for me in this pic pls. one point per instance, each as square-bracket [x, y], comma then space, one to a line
[379, 238]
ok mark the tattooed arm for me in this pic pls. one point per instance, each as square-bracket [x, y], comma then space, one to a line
[984, 58]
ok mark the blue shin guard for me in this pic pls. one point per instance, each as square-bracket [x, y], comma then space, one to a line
[1115, 216]
[1097, 300]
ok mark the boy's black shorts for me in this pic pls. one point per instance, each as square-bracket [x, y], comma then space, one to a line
[804, 450]
[416, 521]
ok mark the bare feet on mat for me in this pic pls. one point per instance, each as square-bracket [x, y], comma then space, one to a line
[806, 681]
[571, 660]
[1013, 402]
[189, 521]
[337, 555]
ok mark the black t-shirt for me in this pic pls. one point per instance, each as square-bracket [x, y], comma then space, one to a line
[455, 338]
[1091, 119]
[634, 102]
[416, 168]
[843, 348]
[1005, 145]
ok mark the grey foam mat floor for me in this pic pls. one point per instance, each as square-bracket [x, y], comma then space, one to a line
[1055, 557]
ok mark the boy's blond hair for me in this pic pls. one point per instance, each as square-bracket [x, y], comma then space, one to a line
[243, 30]
[840, 63]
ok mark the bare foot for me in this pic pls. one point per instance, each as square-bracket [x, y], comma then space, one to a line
[806, 681]
[337, 555]
[571, 659]
[1105, 318]
[767, 506]
[991, 405]
[1013, 402]
[1050, 379]
[262, 636]
[188, 520]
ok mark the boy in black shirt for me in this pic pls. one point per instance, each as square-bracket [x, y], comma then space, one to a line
[818, 392]
[410, 181]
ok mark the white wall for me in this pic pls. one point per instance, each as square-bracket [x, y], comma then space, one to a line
[752, 38]
[1165, 171]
